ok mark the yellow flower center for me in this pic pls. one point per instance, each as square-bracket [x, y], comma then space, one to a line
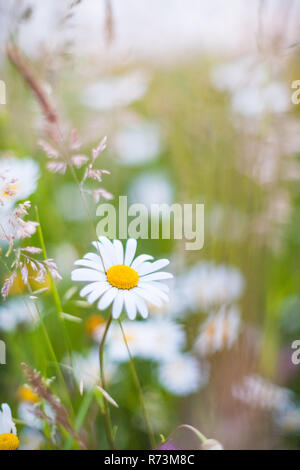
[9, 441]
[25, 393]
[122, 277]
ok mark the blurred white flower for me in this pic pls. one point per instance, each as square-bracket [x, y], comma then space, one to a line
[253, 100]
[158, 339]
[183, 374]
[253, 89]
[31, 439]
[219, 331]
[26, 413]
[18, 179]
[86, 369]
[137, 144]
[212, 285]
[120, 279]
[65, 255]
[233, 75]
[17, 311]
[259, 392]
[116, 91]
[151, 188]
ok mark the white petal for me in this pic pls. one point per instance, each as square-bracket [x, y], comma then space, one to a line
[119, 251]
[141, 306]
[110, 248]
[154, 290]
[89, 264]
[130, 251]
[107, 298]
[95, 294]
[153, 299]
[157, 276]
[83, 274]
[147, 268]
[105, 252]
[139, 260]
[93, 257]
[130, 306]
[159, 285]
[91, 287]
[118, 305]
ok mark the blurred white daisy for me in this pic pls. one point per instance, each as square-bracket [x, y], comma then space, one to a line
[183, 374]
[86, 369]
[8, 431]
[151, 188]
[214, 285]
[118, 278]
[139, 143]
[256, 100]
[259, 392]
[31, 439]
[15, 312]
[18, 179]
[26, 413]
[157, 340]
[116, 91]
[219, 331]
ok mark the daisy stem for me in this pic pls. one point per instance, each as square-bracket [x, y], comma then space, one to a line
[108, 427]
[139, 389]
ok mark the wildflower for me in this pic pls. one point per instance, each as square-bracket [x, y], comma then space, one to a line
[86, 369]
[15, 312]
[18, 179]
[219, 331]
[138, 143]
[151, 188]
[8, 432]
[31, 439]
[113, 92]
[183, 374]
[25, 393]
[260, 393]
[154, 339]
[213, 285]
[120, 279]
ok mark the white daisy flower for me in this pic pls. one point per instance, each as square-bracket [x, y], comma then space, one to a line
[156, 340]
[219, 331]
[17, 312]
[183, 374]
[120, 279]
[138, 143]
[151, 188]
[260, 393]
[26, 413]
[8, 432]
[86, 369]
[214, 285]
[31, 439]
[18, 179]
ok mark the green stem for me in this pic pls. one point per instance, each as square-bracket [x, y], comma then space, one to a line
[108, 427]
[54, 290]
[139, 389]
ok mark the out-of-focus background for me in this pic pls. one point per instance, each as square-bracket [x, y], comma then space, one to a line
[195, 98]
